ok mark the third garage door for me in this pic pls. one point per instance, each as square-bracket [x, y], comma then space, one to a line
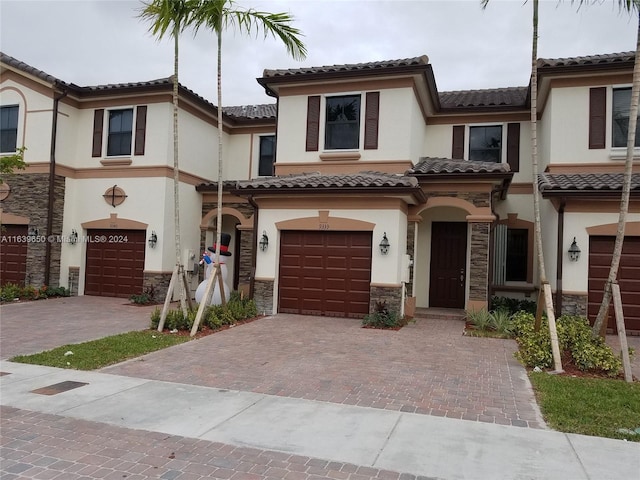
[600, 251]
[325, 273]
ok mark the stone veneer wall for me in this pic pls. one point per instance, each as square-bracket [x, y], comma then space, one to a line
[479, 265]
[159, 281]
[29, 197]
[245, 272]
[391, 295]
[574, 304]
[263, 296]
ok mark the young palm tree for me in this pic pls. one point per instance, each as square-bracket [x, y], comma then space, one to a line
[172, 17]
[542, 272]
[599, 325]
[217, 15]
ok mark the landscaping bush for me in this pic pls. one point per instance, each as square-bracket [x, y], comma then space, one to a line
[512, 305]
[214, 316]
[11, 291]
[383, 318]
[577, 345]
[497, 323]
[146, 297]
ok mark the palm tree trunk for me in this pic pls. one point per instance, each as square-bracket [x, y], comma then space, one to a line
[599, 325]
[220, 186]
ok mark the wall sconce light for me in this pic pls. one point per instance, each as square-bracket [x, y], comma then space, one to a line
[574, 251]
[264, 242]
[153, 239]
[73, 238]
[33, 232]
[384, 244]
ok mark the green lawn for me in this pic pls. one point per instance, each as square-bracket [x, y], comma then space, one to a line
[105, 351]
[589, 406]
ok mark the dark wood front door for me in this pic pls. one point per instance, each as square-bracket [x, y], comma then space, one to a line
[325, 273]
[448, 264]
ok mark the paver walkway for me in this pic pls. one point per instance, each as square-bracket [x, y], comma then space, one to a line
[427, 367]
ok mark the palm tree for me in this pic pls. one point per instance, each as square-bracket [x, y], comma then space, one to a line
[217, 15]
[172, 17]
[542, 272]
[599, 324]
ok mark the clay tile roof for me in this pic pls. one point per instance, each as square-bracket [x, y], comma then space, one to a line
[363, 180]
[581, 183]
[494, 97]
[438, 166]
[590, 60]
[251, 111]
[354, 67]
[115, 86]
[14, 62]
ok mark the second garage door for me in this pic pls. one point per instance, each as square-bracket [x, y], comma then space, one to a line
[115, 263]
[325, 273]
[600, 251]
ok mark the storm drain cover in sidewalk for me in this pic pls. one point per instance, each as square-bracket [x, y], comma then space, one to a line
[59, 388]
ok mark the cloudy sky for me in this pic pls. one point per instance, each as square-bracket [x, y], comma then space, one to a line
[93, 42]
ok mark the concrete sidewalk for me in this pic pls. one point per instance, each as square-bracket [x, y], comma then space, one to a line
[386, 440]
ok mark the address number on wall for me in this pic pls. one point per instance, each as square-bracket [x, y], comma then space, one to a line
[323, 226]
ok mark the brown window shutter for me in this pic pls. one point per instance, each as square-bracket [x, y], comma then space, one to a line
[371, 116]
[597, 117]
[98, 119]
[513, 146]
[457, 149]
[313, 123]
[141, 125]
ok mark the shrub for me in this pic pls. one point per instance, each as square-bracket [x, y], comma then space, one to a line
[513, 305]
[502, 322]
[383, 318]
[9, 292]
[147, 296]
[587, 353]
[480, 319]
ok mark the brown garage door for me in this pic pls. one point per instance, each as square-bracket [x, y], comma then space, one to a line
[600, 250]
[13, 254]
[115, 262]
[325, 273]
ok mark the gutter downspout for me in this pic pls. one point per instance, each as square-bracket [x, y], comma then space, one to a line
[252, 279]
[560, 256]
[52, 172]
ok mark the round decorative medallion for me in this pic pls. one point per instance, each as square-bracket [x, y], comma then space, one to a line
[114, 196]
[5, 190]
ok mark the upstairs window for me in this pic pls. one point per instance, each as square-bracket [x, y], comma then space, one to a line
[485, 143]
[8, 129]
[620, 117]
[120, 131]
[267, 155]
[342, 122]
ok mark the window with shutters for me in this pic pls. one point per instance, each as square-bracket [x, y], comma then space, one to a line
[620, 117]
[342, 128]
[8, 128]
[125, 132]
[120, 132]
[267, 155]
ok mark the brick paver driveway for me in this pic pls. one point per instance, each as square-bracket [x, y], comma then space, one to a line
[427, 367]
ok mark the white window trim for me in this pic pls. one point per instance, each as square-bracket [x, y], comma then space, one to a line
[105, 131]
[503, 144]
[20, 127]
[616, 153]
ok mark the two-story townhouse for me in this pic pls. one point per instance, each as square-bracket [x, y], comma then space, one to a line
[372, 154]
[94, 209]
[382, 189]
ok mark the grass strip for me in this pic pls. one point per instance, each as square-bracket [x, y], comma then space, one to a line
[102, 352]
[589, 406]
